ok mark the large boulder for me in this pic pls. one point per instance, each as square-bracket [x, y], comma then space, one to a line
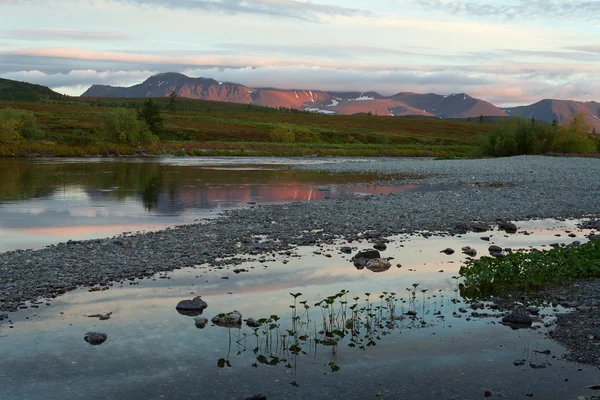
[95, 338]
[378, 265]
[231, 320]
[191, 307]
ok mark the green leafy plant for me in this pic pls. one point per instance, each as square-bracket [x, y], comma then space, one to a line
[529, 271]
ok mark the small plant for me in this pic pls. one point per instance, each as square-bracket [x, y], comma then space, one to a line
[529, 271]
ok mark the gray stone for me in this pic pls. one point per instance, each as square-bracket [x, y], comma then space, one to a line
[469, 251]
[95, 338]
[191, 307]
[231, 320]
[368, 254]
[378, 265]
[250, 322]
[200, 322]
[518, 319]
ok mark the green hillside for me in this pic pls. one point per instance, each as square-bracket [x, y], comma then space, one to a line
[21, 91]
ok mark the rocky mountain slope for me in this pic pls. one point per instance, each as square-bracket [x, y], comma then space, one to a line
[559, 110]
[430, 105]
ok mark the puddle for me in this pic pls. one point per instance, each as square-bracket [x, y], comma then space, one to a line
[153, 352]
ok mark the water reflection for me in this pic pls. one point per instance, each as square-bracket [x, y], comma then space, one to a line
[153, 351]
[41, 200]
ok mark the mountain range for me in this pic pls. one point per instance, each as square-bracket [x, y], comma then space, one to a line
[458, 105]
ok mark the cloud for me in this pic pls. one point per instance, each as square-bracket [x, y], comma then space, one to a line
[295, 9]
[36, 34]
[592, 48]
[573, 10]
[305, 10]
[78, 81]
[500, 85]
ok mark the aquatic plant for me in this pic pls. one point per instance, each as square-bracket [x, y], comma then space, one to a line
[529, 271]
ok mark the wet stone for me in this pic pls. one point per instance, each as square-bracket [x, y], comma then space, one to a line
[191, 307]
[95, 338]
[231, 320]
[250, 322]
[200, 322]
[378, 265]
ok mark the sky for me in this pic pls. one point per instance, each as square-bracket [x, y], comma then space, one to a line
[507, 52]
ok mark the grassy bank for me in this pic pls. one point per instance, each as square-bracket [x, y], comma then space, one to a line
[74, 128]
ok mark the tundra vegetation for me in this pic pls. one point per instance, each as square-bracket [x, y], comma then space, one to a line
[517, 136]
[529, 271]
[87, 126]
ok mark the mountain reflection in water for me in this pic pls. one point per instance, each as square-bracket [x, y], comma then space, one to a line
[44, 200]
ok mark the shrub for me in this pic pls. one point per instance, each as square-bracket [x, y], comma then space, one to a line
[122, 125]
[574, 137]
[282, 133]
[150, 113]
[18, 124]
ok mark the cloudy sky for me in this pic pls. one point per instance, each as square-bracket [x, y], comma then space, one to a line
[507, 52]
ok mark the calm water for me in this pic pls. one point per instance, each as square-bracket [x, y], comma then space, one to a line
[44, 201]
[153, 352]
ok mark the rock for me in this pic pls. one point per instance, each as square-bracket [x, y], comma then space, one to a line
[346, 249]
[200, 322]
[380, 246]
[250, 322]
[257, 397]
[360, 263]
[478, 228]
[3, 317]
[518, 319]
[191, 307]
[537, 365]
[495, 249]
[368, 254]
[411, 313]
[485, 238]
[95, 338]
[101, 317]
[469, 251]
[533, 310]
[378, 265]
[518, 363]
[448, 251]
[487, 393]
[507, 227]
[232, 320]
[461, 228]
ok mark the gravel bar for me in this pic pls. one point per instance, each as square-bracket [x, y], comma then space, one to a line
[521, 188]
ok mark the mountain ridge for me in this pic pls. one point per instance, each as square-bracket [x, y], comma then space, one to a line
[456, 105]
[24, 91]
[318, 101]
